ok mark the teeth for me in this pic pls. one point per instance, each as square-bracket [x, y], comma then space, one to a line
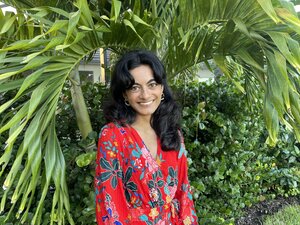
[146, 103]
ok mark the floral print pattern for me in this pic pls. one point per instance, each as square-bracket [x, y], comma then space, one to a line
[132, 187]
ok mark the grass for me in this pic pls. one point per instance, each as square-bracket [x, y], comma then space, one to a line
[289, 215]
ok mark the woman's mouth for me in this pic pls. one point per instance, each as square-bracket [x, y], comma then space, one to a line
[146, 103]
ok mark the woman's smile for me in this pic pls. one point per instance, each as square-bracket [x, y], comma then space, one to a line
[146, 103]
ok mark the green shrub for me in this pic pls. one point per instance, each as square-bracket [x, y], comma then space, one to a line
[80, 179]
[231, 167]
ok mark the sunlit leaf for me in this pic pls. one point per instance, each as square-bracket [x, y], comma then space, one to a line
[269, 9]
[7, 24]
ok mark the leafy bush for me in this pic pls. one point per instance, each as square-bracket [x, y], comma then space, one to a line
[231, 167]
[80, 179]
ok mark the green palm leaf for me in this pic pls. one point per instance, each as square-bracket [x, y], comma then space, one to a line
[49, 59]
[260, 36]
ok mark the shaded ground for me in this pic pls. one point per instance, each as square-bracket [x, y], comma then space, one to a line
[255, 214]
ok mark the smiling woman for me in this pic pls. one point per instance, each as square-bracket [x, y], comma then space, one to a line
[141, 174]
[145, 95]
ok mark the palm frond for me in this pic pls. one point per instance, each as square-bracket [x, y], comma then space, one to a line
[256, 34]
[38, 57]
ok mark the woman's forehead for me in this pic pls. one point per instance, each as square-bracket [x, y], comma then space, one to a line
[142, 74]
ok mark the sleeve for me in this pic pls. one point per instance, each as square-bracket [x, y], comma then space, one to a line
[110, 198]
[187, 213]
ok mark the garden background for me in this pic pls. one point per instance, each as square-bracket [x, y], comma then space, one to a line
[241, 130]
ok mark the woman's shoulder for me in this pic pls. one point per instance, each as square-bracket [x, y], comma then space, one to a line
[113, 127]
[110, 125]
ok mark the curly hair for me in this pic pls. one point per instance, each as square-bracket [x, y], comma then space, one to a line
[166, 119]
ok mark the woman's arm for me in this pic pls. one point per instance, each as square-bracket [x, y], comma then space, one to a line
[187, 213]
[111, 205]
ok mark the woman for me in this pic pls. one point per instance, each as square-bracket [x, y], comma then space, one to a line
[141, 173]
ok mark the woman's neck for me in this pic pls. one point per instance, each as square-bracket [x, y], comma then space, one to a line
[142, 123]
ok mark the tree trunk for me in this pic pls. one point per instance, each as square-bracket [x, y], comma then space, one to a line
[81, 112]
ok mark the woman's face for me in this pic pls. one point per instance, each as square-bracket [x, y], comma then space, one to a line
[145, 95]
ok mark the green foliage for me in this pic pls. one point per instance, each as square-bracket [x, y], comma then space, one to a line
[231, 167]
[77, 152]
[79, 157]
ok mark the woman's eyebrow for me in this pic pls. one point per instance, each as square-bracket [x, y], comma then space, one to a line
[150, 81]
[136, 84]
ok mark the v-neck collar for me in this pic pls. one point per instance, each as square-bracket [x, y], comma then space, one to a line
[136, 135]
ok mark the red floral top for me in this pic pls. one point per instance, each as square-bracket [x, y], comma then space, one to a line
[134, 188]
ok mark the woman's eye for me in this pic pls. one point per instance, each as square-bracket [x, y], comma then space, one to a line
[134, 88]
[153, 85]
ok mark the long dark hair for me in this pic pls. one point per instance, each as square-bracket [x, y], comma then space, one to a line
[166, 119]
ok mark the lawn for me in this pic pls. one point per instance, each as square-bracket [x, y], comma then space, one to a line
[289, 215]
[279, 211]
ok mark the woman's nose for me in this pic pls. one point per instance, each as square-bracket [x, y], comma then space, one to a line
[144, 92]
